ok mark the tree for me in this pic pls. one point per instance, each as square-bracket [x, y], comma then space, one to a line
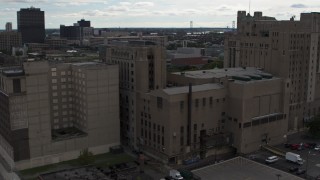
[314, 127]
[86, 157]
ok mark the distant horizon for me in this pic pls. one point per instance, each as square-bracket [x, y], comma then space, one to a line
[141, 28]
[152, 13]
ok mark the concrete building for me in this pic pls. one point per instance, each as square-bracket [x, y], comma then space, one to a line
[226, 105]
[180, 122]
[186, 56]
[142, 68]
[50, 111]
[31, 25]
[9, 26]
[287, 49]
[9, 39]
[80, 31]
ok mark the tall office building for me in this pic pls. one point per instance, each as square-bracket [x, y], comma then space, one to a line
[142, 68]
[79, 32]
[50, 111]
[288, 49]
[8, 26]
[31, 25]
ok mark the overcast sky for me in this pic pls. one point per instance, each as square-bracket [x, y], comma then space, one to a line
[153, 13]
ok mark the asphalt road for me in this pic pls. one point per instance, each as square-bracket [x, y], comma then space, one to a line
[311, 157]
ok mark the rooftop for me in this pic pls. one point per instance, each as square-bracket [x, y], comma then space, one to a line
[247, 73]
[242, 169]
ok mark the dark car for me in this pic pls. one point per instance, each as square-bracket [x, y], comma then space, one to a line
[293, 169]
[300, 171]
[287, 145]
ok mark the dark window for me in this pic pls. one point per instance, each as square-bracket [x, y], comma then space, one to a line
[197, 103]
[203, 101]
[16, 86]
[181, 105]
[264, 120]
[162, 129]
[210, 100]
[162, 141]
[239, 125]
[181, 129]
[195, 127]
[181, 141]
[255, 122]
[248, 124]
[159, 102]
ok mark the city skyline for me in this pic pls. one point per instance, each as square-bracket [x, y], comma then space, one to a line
[163, 13]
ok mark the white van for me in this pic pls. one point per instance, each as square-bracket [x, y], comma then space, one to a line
[272, 159]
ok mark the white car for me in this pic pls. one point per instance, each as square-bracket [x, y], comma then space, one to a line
[272, 159]
[317, 148]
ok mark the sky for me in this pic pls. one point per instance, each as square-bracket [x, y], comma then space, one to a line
[153, 13]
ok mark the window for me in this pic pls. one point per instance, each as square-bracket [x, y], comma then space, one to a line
[181, 105]
[159, 102]
[181, 129]
[162, 141]
[197, 103]
[181, 141]
[210, 100]
[16, 85]
[203, 101]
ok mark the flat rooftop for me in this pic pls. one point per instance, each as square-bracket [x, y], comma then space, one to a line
[240, 168]
[250, 72]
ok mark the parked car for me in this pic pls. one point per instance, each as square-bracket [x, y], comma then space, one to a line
[295, 146]
[312, 145]
[287, 145]
[272, 159]
[293, 169]
[317, 148]
[300, 171]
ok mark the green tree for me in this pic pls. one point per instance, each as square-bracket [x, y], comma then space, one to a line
[314, 127]
[85, 157]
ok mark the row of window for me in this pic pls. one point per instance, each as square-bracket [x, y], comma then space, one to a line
[263, 120]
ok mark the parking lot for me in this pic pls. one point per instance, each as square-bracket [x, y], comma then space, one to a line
[310, 157]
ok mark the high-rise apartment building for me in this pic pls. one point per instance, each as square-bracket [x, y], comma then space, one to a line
[288, 49]
[50, 111]
[8, 26]
[31, 25]
[142, 68]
